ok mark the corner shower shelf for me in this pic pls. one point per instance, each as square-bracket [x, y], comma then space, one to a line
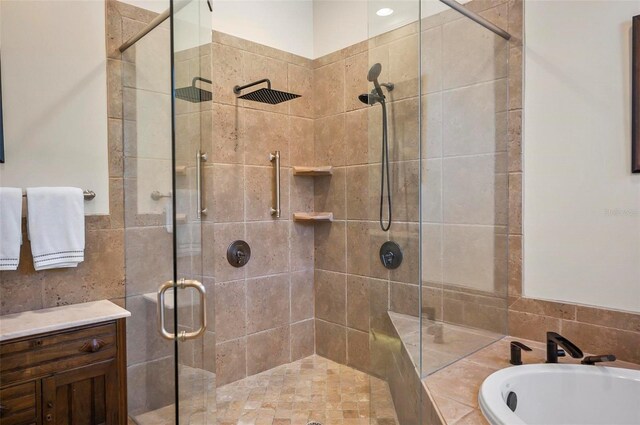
[311, 217]
[324, 170]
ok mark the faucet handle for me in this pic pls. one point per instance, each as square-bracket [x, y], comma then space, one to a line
[591, 360]
[561, 352]
[516, 352]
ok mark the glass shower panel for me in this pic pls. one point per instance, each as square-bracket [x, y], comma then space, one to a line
[191, 43]
[393, 175]
[146, 80]
[464, 183]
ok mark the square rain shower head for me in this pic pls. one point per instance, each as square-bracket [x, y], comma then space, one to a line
[270, 96]
[194, 94]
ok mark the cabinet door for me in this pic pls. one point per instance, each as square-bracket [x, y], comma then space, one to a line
[83, 396]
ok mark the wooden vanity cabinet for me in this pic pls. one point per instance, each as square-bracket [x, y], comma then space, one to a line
[75, 376]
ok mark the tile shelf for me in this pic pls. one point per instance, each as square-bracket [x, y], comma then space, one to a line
[312, 217]
[323, 170]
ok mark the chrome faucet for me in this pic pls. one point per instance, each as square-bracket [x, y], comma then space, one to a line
[553, 340]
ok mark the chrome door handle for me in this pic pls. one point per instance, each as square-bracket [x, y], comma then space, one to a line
[182, 284]
[200, 158]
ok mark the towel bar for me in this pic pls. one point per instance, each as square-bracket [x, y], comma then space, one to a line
[88, 194]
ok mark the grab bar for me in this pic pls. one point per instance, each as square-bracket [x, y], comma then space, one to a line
[200, 158]
[275, 156]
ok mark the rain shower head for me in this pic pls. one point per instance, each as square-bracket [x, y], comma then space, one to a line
[194, 94]
[264, 95]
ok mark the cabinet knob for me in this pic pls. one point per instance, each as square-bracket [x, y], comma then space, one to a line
[50, 404]
[93, 346]
[49, 417]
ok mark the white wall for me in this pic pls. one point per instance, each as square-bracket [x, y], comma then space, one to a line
[54, 96]
[581, 203]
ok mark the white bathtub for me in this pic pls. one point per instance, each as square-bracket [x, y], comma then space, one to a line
[561, 394]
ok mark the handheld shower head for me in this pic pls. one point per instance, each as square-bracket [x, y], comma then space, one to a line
[372, 76]
[374, 72]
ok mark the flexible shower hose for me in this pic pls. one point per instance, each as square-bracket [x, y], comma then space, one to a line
[385, 170]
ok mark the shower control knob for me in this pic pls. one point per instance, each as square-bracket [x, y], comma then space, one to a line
[238, 253]
[390, 255]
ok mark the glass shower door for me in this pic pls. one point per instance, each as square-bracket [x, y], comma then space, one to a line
[165, 107]
[191, 107]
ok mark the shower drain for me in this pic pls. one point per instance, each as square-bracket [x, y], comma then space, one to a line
[314, 423]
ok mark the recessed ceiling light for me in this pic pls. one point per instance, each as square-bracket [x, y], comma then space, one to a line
[385, 11]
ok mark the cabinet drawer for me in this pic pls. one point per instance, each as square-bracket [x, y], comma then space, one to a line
[39, 356]
[18, 404]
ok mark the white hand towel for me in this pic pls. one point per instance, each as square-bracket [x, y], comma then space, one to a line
[55, 218]
[10, 227]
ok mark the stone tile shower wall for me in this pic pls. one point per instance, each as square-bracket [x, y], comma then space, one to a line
[353, 290]
[264, 311]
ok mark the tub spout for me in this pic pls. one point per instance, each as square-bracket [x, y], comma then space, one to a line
[553, 340]
[591, 360]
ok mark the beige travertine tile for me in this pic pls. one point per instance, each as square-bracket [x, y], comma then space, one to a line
[331, 341]
[361, 202]
[148, 253]
[217, 239]
[356, 68]
[231, 311]
[262, 133]
[472, 54]
[514, 147]
[231, 361]
[460, 381]
[357, 137]
[329, 193]
[404, 68]
[301, 143]
[515, 78]
[474, 190]
[302, 295]
[358, 354]
[602, 340]
[257, 67]
[267, 349]
[143, 345]
[269, 243]
[301, 237]
[259, 193]
[330, 296]
[329, 140]
[226, 143]
[452, 410]
[302, 340]
[610, 318]
[358, 302]
[404, 132]
[432, 191]
[432, 60]
[224, 187]
[544, 308]
[301, 82]
[473, 119]
[432, 268]
[329, 89]
[515, 25]
[267, 302]
[407, 236]
[474, 418]
[116, 157]
[404, 298]
[405, 190]
[515, 203]
[432, 125]
[531, 326]
[515, 266]
[364, 240]
[330, 246]
[226, 71]
[115, 100]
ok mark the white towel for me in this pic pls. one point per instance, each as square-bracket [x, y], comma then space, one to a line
[56, 226]
[10, 227]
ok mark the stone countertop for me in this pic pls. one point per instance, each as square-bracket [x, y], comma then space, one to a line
[36, 322]
[454, 389]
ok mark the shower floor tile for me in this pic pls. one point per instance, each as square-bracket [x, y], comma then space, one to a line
[312, 389]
